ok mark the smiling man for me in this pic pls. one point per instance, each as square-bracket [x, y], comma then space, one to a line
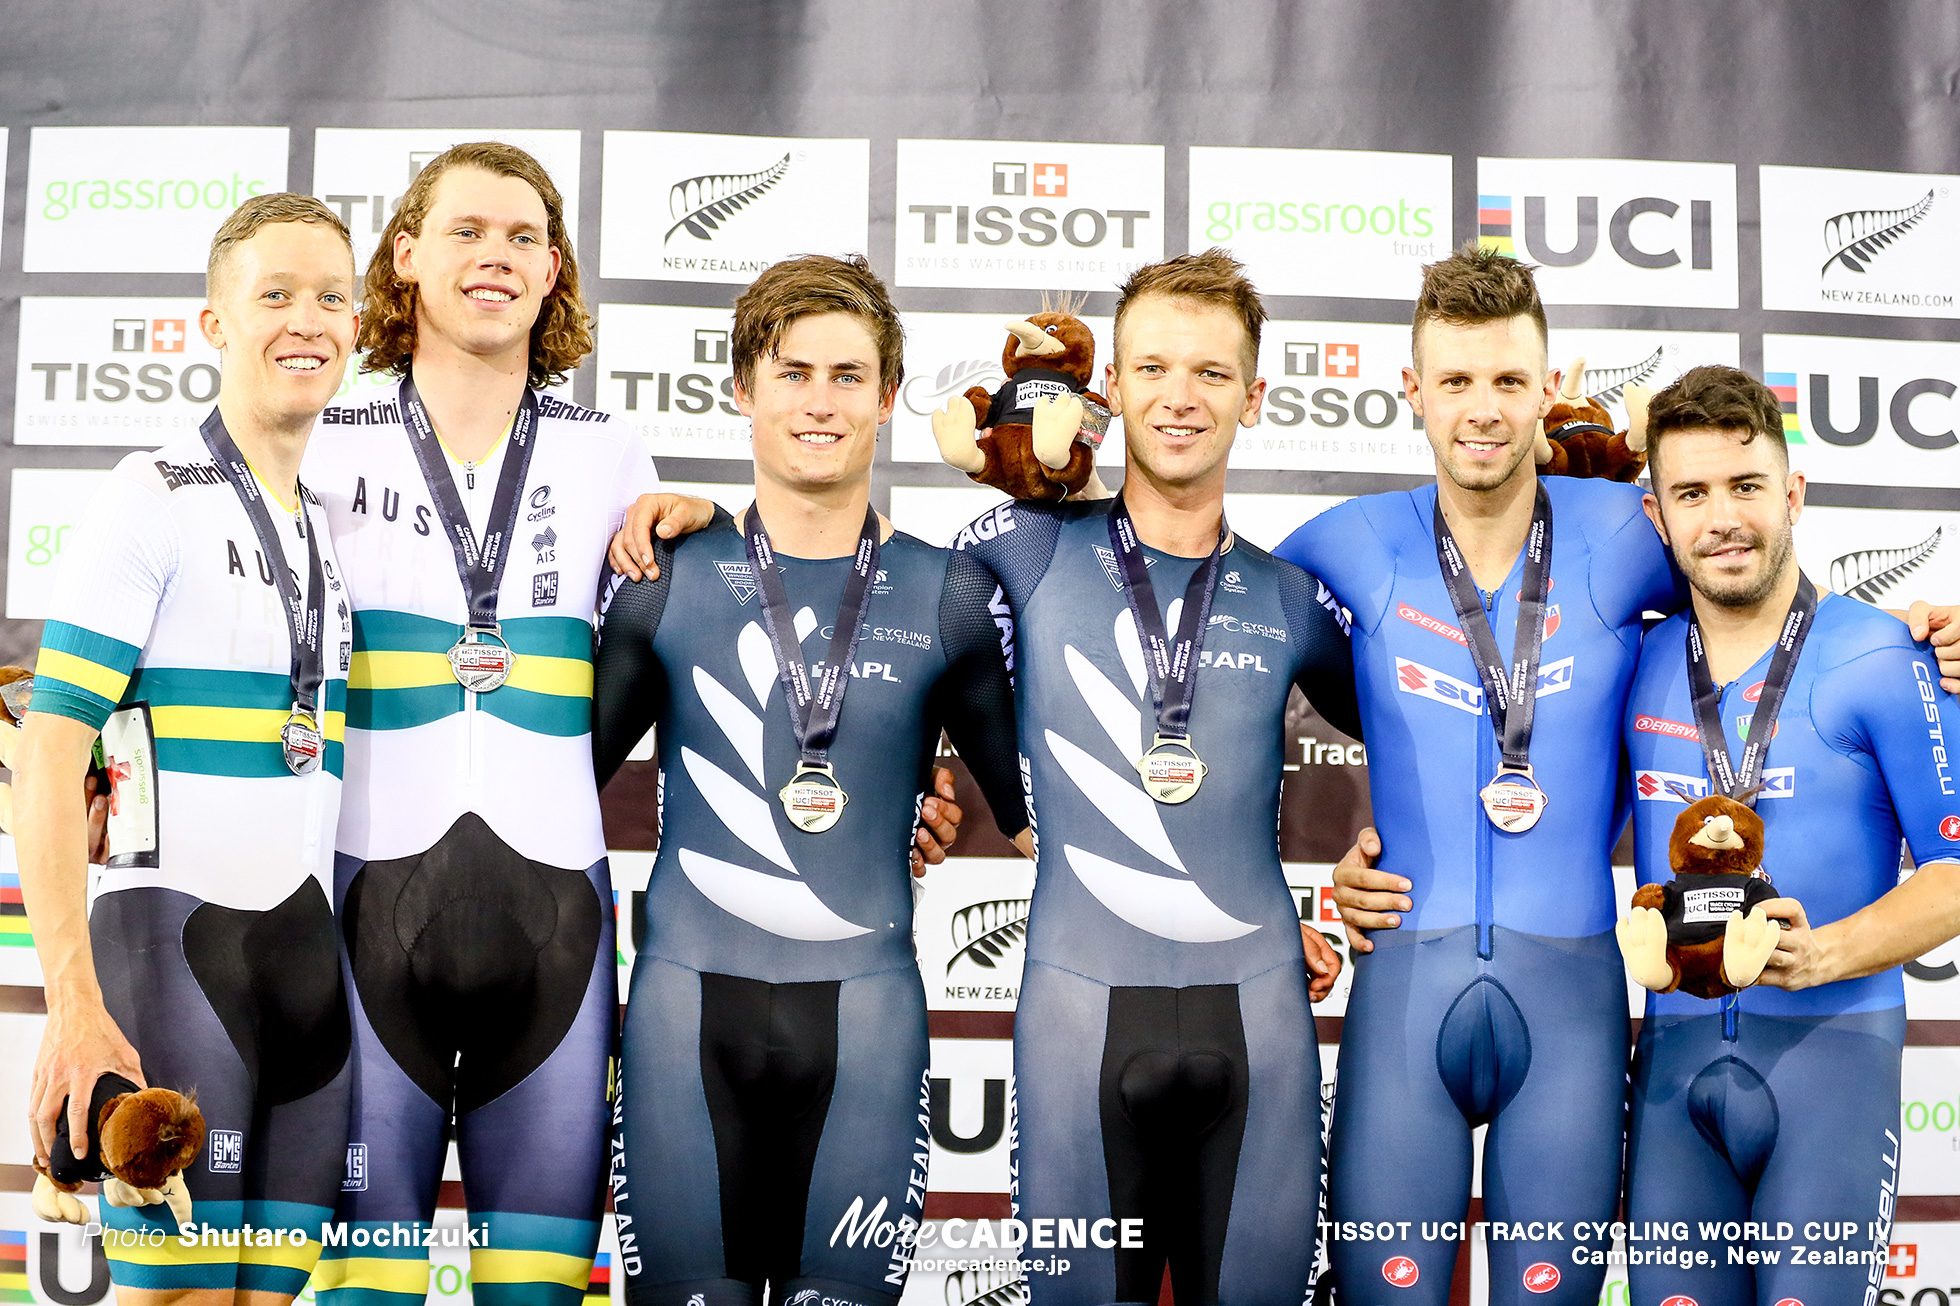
[1779, 1104]
[1166, 1069]
[800, 663]
[474, 898]
[199, 626]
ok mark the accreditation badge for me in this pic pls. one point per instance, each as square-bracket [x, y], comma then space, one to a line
[129, 757]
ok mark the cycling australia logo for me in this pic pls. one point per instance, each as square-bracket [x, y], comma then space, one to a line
[1615, 231]
[1841, 241]
[1041, 215]
[140, 199]
[726, 207]
[111, 371]
[1353, 223]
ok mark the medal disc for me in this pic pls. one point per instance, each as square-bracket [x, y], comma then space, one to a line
[1171, 772]
[1513, 802]
[303, 743]
[813, 800]
[481, 667]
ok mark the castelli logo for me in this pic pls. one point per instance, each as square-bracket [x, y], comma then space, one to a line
[1542, 1277]
[1680, 1301]
[1950, 829]
[1401, 1271]
[1789, 1301]
[1754, 693]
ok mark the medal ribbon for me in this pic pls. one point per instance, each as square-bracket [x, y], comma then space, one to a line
[813, 712]
[304, 614]
[1728, 778]
[1172, 664]
[480, 566]
[1512, 699]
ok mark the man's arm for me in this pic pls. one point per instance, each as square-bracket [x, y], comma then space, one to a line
[1368, 899]
[1906, 923]
[974, 699]
[668, 516]
[81, 1041]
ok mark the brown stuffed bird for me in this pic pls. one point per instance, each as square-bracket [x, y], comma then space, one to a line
[1705, 931]
[1036, 436]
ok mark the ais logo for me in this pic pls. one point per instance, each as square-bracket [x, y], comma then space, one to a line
[1615, 231]
[1048, 215]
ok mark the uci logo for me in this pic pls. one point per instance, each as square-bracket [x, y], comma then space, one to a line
[1822, 420]
[1655, 245]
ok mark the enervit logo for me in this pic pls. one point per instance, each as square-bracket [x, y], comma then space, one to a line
[1868, 412]
[1041, 215]
[1350, 223]
[1401, 1271]
[666, 371]
[1836, 240]
[111, 371]
[1334, 401]
[1542, 1277]
[687, 206]
[362, 173]
[46, 507]
[1615, 231]
[140, 199]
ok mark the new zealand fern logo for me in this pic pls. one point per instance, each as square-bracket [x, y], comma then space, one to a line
[986, 930]
[1853, 239]
[701, 204]
[1868, 573]
[1608, 384]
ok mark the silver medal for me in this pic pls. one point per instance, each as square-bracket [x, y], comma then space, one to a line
[1513, 801]
[1171, 770]
[481, 666]
[813, 800]
[303, 743]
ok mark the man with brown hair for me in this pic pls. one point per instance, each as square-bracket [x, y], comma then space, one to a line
[471, 880]
[1166, 1072]
[800, 663]
[1777, 1107]
[201, 629]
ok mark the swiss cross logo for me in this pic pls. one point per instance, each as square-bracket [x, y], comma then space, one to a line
[119, 772]
[1343, 360]
[1902, 1259]
[1950, 829]
[1051, 180]
[1401, 1271]
[167, 336]
[1542, 1277]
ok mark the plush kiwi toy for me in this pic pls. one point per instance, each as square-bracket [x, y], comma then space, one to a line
[1704, 932]
[1577, 436]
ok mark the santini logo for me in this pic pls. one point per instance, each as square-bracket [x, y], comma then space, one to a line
[1853, 239]
[699, 205]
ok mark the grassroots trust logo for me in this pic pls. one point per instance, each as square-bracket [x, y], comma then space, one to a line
[1853, 239]
[1866, 574]
[699, 205]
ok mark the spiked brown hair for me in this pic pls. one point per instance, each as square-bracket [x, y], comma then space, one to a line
[804, 287]
[264, 211]
[1474, 286]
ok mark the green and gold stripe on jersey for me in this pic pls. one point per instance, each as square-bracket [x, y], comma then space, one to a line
[223, 723]
[401, 677]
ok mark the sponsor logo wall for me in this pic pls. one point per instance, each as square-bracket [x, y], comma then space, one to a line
[1353, 224]
[666, 372]
[363, 172]
[44, 509]
[1040, 215]
[683, 206]
[1842, 241]
[140, 199]
[1868, 412]
[111, 371]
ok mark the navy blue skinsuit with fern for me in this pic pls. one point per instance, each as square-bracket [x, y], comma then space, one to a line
[773, 1113]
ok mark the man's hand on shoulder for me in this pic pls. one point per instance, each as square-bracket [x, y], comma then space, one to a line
[1942, 626]
[667, 515]
[1368, 899]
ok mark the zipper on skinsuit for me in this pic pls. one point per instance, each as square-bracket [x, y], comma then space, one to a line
[1486, 766]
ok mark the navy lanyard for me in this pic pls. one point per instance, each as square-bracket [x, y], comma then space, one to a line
[1739, 782]
[1512, 701]
[1172, 663]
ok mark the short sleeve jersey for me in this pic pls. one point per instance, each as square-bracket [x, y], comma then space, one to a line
[1431, 746]
[422, 750]
[1859, 764]
[165, 598]
[1130, 891]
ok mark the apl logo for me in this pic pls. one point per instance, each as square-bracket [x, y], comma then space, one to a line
[1866, 574]
[1494, 231]
[1542, 1277]
[699, 205]
[1401, 1271]
[1851, 240]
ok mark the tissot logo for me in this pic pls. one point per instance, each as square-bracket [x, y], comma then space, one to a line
[111, 371]
[1868, 412]
[666, 372]
[725, 207]
[362, 173]
[1041, 215]
[1615, 231]
[1836, 240]
[1334, 401]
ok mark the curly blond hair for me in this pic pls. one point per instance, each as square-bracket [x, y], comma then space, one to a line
[562, 335]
